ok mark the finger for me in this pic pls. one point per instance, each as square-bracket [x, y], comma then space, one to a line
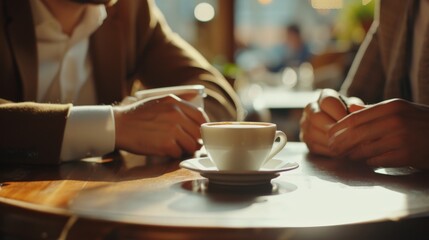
[314, 136]
[321, 121]
[187, 142]
[194, 113]
[316, 140]
[170, 100]
[343, 141]
[313, 116]
[185, 114]
[185, 123]
[321, 150]
[171, 109]
[314, 126]
[355, 107]
[189, 97]
[372, 149]
[368, 114]
[149, 138]
[171, 148]
[393, 158]
[330, 103]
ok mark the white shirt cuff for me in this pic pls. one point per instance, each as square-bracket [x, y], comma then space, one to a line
[89, 132]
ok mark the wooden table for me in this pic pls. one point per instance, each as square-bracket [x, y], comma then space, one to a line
[135, 197]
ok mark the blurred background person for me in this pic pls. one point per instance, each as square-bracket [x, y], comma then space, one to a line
[291, 52]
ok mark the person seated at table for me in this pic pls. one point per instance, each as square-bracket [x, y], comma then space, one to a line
[390, 75]
[63, 63]
[292, 52]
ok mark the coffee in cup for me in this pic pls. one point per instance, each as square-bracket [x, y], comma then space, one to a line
[241, 146]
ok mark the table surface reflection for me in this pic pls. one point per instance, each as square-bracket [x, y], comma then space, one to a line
[156, 194]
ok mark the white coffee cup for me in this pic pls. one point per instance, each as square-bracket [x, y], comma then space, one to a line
[197, 101]
[241, 146]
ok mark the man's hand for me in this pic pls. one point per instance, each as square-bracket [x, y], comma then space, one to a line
[392, 133]
[163, 126]
[319, 117]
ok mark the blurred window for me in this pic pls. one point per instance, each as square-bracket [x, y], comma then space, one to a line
[259, 35]
[180, 15]
[261, 23]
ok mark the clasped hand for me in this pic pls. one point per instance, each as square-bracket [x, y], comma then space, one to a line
[392, 133]
[163, 126]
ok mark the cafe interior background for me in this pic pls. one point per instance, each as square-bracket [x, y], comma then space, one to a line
[248, 41]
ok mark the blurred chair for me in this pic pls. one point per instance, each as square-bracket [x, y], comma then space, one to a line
[330, 69]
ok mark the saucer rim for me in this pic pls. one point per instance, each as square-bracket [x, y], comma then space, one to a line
[262, 171]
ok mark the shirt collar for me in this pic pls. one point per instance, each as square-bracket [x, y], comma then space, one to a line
[48, 28]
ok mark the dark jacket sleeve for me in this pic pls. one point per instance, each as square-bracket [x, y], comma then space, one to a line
[31, 133]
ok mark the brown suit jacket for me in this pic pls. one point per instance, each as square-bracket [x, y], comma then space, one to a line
[134, 43]
[381, 69]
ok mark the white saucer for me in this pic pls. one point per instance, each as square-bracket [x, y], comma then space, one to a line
[270, 170]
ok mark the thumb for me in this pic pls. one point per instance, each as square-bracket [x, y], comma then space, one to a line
[356, 107]
[187, 96]
[330, 103]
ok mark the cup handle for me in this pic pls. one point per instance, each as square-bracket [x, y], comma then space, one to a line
[278, 146]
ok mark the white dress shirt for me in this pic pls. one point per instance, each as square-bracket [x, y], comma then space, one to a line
[65, 76]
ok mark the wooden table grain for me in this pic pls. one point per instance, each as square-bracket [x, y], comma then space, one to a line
[135, 197]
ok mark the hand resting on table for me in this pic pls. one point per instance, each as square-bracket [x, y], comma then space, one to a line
[392, 133]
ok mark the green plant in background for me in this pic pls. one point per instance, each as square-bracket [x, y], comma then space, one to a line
[228, 69]
[354, 21]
